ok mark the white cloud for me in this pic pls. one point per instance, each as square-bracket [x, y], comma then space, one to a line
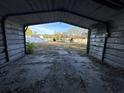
[41, 30]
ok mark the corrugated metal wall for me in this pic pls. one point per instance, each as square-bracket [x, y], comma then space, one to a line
[2, 47]
[15, 41]
[97, 39]
[114, 51]
[114, 54]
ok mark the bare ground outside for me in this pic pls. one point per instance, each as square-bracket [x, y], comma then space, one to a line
[81, 48]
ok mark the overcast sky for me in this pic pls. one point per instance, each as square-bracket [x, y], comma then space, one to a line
[50, 28]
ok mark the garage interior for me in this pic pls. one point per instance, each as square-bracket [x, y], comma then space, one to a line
[104, 19]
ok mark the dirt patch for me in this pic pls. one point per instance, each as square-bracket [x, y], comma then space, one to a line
[59, 69]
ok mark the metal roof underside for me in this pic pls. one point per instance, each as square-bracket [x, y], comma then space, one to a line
[79, 12]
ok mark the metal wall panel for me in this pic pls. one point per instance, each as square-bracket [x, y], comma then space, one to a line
[97, 40]
[2, 47]
[15, 41]
[115, 46]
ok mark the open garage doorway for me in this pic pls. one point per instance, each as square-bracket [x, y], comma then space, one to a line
[58, 36]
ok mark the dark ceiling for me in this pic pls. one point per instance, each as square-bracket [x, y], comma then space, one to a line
[80, 12]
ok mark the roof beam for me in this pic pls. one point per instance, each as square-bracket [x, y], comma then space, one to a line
[55, 10]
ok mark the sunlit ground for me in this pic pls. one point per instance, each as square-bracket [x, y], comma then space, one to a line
[79, 47]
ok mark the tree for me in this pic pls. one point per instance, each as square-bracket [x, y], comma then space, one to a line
[58, 36]
[28, 32]
[75, 32]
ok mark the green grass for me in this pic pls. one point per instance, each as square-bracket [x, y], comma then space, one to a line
[30, 47]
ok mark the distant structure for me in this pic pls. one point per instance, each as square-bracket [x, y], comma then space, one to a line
[35, 39]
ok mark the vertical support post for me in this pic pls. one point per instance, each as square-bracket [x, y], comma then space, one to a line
[104, 48]
[105, 41]
[88, 41]
[4, 37]
[24, 30]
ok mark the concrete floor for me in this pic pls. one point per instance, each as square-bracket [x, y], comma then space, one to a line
[59, 70]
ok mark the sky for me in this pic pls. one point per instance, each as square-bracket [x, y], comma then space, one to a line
[51, 28]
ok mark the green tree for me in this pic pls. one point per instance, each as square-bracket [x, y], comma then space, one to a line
[58, 36]
[28, 32]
